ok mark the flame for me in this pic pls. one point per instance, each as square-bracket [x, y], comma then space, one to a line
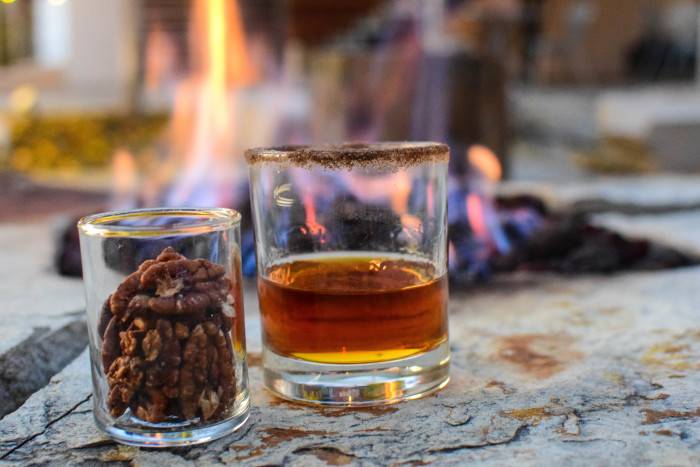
[159, 57]
[476, 217]
[312, 225]
[430, 200]
[451, 255]
[218, 43]
[481, 211]
[484, 222]
[203, 150]
[124, 179]
[400, 187]
[215, 54]
[485, 161]
[400, 192]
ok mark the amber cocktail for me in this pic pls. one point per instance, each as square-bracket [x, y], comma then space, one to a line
[351, 250]
[353, 309]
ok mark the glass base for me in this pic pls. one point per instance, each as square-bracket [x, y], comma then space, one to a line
[357, 384]
[169, 436]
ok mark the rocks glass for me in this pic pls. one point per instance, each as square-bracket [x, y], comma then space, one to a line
[165, 318]
[351, 249]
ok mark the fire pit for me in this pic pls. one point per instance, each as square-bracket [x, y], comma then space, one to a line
[489, 234]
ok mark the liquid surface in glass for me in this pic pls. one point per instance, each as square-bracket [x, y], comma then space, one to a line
[350, 308]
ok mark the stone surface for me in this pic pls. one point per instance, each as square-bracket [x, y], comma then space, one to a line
[545, 371]
[33, 295]
[41, 313]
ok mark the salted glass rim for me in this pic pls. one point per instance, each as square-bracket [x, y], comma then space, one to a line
[352, 154]
[106, 224]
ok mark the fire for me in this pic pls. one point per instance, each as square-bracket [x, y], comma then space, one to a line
[124, 179]
[476, 216]
[312, 225]
[204, 166]
[481, 210]
[159, 57]
[485, 161]
[430, 199]
[452, 255]
[400, 187]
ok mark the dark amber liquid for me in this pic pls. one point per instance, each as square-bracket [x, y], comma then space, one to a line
[347, 309]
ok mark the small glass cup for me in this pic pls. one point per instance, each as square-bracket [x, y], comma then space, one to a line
[352, 262]
[165, 319]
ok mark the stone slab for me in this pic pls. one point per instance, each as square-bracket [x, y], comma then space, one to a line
[41, 313]
[545, 371]
[33, 295]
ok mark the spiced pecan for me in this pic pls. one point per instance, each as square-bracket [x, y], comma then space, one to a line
[216, 290]
[168, 254]
[138, 304]
[119, 301]
[152, 406]
[160, 275]
[140, 324]
[195, 347]
[105, 318]
[152, 344]
[192, 302]
[130, 341]
[110, 343]
[166, 347]
[227, 380]
[208, 403]
[125, 377]
[182, 331]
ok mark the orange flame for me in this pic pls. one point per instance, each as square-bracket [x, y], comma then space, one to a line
[485, 161]
[451, 254]
[202, 127]
[312, 225]
[221, 55]
[476, 216]
[400, 187]
[159, 57]
[124, 179]
[124, 171]
[218, 43]
[400, 191]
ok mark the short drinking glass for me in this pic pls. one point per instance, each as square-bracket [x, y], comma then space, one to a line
[165, 318]
[351, 244]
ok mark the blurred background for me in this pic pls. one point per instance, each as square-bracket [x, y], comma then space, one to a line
[110, 104]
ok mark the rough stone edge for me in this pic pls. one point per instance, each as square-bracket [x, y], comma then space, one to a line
[29, 365]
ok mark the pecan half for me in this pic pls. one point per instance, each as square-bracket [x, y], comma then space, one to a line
[110, 343]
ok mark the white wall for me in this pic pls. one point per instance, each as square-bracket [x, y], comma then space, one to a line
[103, 43]
[51, 33]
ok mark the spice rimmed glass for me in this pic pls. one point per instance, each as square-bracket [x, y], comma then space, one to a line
[351, 243]
[166, 326]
